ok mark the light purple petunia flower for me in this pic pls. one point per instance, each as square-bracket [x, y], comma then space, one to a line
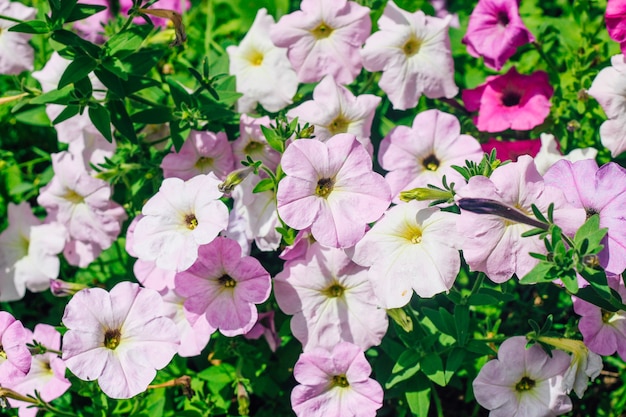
[119, 337]
[15, 359]
[335, 383]
[331, 187]
[47, 372]
[413, 52]
[599, 191]
[495, 31]
[224, 287]
[331, 300]
[16, 54]
[323, 38]
[510, 101]
[523, 382]
[422, 154]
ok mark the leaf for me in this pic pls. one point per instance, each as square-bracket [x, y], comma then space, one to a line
[453, 363]
[70, 111]
[461, 320]
[540, 273]
[101, 119]
[61, 96]
[111, 81]
[442, 320]
[153, 115]
[179, 129]
[219, 376]
[121, 120]
[408, 364]
[125, 43]
[78, 69]
[432, 366]
[33, 26]
[265, 184]
[82, 11]
[179, 93]
[273, 139]
[116, 66]
[590, 233]
[34, 116]
[418, 398]
[77, 43]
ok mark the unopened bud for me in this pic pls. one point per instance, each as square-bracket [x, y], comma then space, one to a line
[60, 288]
[175, 18]
[423, 194]
[401, 318]
[235, 178]
[243, 400]
[496, 208]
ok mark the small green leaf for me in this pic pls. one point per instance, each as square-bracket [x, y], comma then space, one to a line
[418, 398]
[432, 366]
[82, 11]
[462, 320]
[153, 115]
[33, 26]
[265, 184]
[408, 364]
[78, 69]
[179, 129]
[101, 119]
[125, 43]
[542, 272]
[121, 120]
[70, 111]
[61, 96]
[273, 139]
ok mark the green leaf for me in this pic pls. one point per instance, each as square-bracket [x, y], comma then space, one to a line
[461, 320]
[540, 273]
[70, 111]
[81, 11]
[219, 376]
[408, 364]
[34, 116]
[111, 81]
[442, 319]
[101, 119]
[432, 366]
[179, 93]
[125, 43]
[454, 362]
[179, 129]
[265, 184]
[116, 66]
[33, 26]
[418, 398]
[153, 115]
[121, 120]
[273, 139]
[78, 69]
[77, 43]
[61, 96]
[590, 231]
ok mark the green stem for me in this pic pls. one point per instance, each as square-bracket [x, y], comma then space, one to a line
[437, 403]
[546, 58]
[11, 19]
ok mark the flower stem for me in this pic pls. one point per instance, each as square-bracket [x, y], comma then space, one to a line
[546, 58]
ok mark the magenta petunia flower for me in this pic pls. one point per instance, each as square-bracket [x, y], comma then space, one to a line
[609, 89]
[15, 359]
[334, 109]
[224, 286]
[264, 74]
[604, 332]
[495, 31]
[599, 191]
[510, 150]
[331, 187]
[324, 37]
[202, 152]
[83, 205]
[615, 18]
[413, 52]
[493, 244]
[523, 382]
[329, 297]
[422, 154]
[47, 372]
[510, 101]
[178, 219]
[16, 54]
[119, 337]
[412, 248]
[335, 383]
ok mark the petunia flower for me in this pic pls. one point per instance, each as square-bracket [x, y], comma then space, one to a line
[495, 31]
[265, 327]
[615, 18]
[15, 358]
[224, 287]
[422, 154]
[523, 382]
[324, 38]
[412, 248]
[510, 150]
[510, 101]
[263, 72]
[91, 28]
[83, 205]
[549, 153]
[331, 300]
[413, 52]
[16, 54]
[599, 191]
[119, 338]
[178, 219]
[493, 244]
[47, 371]
[251, 142]
[331, 187]
[202, 152]
[334, 109]
[609, 88]
[335, 383]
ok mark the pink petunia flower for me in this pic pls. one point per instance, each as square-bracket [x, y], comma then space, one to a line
[413, 52]
[119, 337]
[251, 142]
[510, 150]
[331, 300]
[28, 253]
[15, 359]
[224, 286]
[264, 74]
[323, 38]
[599, 191]
[202, 152]
[604, 332]
[265, 327]
[178, 219]
[412, 248]
[83, 205]
[609, 88]
[91, 28]
[523, 382]
[495, 31]
[331, 187]
[495, 245]
[510, 101]
[334, 109]
[615, 18]
[16, 54]
[300, 246]
[335, 383]
[47, 372]
[422, 154]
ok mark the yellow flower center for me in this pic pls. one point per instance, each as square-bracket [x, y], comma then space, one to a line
[112, 338]
[339, 125]
[411, 47]
[524, 384]
[74, 197]
[340, 381]
[413, 234]
[335, 290]
[253, 147]
[227, 281]
[322, 31]
[204, 164]
[324, 187]
[191, 221]
[256, 58]
[607, 316]
[3, 354]
[431, 162]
